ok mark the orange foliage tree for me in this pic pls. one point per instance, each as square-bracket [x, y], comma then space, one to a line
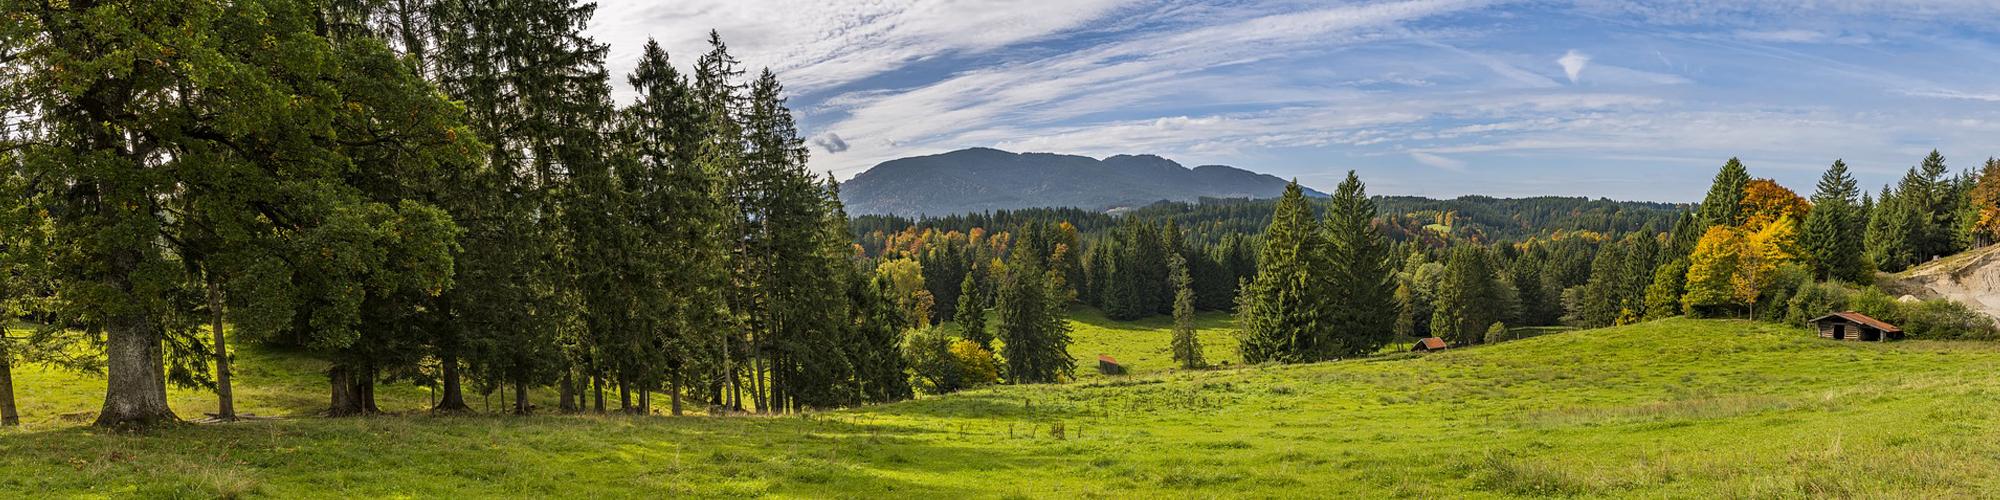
[1764, 201]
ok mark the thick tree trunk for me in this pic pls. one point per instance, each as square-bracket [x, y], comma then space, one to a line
[135, 392]
[675, 386]
[454, 393]
[735, 389]
[9, 415]
[568, 389]
[624, 396]
[225, 399]
[353, 391]
[597, 388]
[521, 399]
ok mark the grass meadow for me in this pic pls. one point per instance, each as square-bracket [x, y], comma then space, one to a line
[1672, 408]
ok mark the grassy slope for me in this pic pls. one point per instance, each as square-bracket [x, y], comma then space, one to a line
[1142, 346]
[1671, 408]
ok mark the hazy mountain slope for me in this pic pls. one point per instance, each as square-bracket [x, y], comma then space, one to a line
[981, 179]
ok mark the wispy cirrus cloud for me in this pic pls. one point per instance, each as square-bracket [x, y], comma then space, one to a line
[1145, 70]
[1954, 94]
[819, 44]
[1537, 94]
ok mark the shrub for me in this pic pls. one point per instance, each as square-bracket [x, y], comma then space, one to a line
[1945, 319]
[1496, 333]
[942, 363]
[1815, 300]
[975, 363]
[1875, 303]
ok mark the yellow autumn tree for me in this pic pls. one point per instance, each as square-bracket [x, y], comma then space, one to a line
[1985, 198]
[1764, 201]
[1712, 270]
[1765, 250]
[906, 281]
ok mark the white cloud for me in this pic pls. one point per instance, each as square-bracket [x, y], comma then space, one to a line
[1438, 161]
[1573, 64]
[1135, 72]
[1954, 94]
[816, 44]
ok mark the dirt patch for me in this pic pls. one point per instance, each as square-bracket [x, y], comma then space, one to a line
[1971, 278]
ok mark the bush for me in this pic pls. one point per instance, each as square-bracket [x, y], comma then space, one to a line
[942, 363]
[1931, 319]
[1788, 281]
[1496, 333]
[975, 363]
[1875, 303]
[1815, 300]
[1945, 319]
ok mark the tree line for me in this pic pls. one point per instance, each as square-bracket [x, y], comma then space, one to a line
[437, 192]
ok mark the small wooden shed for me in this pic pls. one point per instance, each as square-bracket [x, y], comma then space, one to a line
[1108, 366]
[1850, 325]
[1428, 344]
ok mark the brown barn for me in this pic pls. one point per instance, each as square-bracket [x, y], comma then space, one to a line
[1852, 325]
[1428, 344]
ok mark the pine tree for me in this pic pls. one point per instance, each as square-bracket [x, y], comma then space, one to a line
[1896, 225]
[1466, 298]
[1680, 242]
[678, 208]
[1602, 295]
[1937, 218]
[1832, 237]
[1033, 334]
[1281, 312]
[1723, 205]
[972, 312]
[1362, 282]
[1186, 345]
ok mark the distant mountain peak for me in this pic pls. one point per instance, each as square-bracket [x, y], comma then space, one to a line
[986, 179]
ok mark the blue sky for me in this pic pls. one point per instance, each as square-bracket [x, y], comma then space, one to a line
[1600, 98]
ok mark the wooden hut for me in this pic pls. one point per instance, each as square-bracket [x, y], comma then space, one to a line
[1108, 366]
[1428, 344]
[1850, 325]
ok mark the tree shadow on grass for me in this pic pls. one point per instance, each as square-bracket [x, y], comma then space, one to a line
[502, 456]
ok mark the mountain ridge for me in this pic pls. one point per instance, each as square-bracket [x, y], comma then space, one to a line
[985, 179]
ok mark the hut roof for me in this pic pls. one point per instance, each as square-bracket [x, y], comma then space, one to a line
[1105, 358]
[1432, 343]
[1862, 319]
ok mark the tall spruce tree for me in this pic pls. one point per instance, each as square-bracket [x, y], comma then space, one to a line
[1186, 345]
[1362, 287]
[536, 91]
[1832, 237]
[1281, 312]
[1033, 334]
[972, 312]
[1467, 297]
[1723, 205]
[677, 206]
